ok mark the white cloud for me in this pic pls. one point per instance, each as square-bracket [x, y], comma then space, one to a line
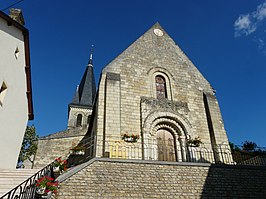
[260, 14]
[261, 45]
[253, 23]
[248, 23]
[243, 25]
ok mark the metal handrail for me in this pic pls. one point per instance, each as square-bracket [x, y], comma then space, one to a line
[27, 189]
[115, 147]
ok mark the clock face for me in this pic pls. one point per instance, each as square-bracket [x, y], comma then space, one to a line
[158, 32]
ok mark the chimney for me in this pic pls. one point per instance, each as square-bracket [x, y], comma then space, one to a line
[16, 14]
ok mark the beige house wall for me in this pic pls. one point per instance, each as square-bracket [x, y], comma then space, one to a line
[14, 103]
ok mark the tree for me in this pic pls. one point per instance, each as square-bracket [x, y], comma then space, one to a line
[28, 147]
[249, 146]
[234, 147]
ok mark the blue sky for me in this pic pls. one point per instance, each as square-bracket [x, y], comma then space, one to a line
[226, 40]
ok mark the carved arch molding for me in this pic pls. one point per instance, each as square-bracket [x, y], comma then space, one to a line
[165, 121]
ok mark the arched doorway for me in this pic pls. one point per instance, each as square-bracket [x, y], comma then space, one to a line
[166, 145]
[165, 136]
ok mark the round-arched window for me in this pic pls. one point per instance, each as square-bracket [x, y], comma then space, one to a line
[79, 120]
[160, 87]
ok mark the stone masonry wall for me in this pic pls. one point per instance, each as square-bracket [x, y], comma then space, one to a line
[109, 178]
[120, 101]
[56, 145]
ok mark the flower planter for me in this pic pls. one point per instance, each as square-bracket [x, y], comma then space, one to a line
[47, 195]
[56, 169]
[45, 187]
[130, 139]
[78, 152]
[194, 145]
[196, 142]
[42, 193]
[40, 190]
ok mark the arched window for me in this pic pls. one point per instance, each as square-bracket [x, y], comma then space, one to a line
[79, 120]
[160, 87]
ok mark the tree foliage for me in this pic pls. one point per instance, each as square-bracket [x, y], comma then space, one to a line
[29, 146]
[249, 146]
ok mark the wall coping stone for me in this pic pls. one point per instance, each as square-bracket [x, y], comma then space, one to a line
[65, 134]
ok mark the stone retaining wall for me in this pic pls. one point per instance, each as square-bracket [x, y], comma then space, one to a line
[110, 178]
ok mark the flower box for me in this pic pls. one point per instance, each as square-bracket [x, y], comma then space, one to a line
[77, 150]
[130, 137]
[46, 186]
[194, 142]
[56, 169]
[59, 165]
[40, 190]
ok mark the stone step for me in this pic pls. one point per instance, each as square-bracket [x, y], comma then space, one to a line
[9, 179]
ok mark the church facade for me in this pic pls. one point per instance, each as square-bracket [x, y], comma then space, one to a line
[153, 104]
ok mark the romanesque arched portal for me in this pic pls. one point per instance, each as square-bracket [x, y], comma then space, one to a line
[164, 137]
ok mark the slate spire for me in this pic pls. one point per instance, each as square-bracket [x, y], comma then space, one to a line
[85, 93]
[91, 53]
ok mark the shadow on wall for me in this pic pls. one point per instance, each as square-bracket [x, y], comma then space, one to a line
[232, 181]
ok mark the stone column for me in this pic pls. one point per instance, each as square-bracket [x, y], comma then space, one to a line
[182, 140]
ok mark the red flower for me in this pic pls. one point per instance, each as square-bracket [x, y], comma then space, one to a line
[49, 178]
[58, 159]
[41, 179]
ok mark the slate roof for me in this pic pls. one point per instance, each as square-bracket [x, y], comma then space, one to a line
[85, 93]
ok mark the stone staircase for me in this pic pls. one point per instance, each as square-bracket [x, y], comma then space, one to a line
[9, 179]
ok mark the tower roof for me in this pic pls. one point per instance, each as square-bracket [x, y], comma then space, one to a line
[85, 93]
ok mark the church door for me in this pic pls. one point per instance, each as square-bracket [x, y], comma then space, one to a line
[166, 146]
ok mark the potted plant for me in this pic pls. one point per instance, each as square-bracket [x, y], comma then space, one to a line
[194, 142]
[46, 186]
[59, 165]
[78, 150]
[129, 137]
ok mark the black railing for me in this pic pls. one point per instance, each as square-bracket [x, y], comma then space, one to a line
[162, 150]
[89, 143]
[27, 189]
[151, 149]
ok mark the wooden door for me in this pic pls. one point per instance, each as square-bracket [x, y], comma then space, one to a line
[166, 146]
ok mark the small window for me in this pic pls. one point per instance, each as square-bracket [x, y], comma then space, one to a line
[3, 91]
[16, 53]
[79, 120]
[89, 119]
[160, 87]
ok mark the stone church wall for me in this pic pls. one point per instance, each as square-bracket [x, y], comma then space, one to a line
[56, 145]
[110, 178]
[128, 102]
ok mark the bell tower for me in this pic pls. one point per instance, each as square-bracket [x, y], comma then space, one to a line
[80, 109]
